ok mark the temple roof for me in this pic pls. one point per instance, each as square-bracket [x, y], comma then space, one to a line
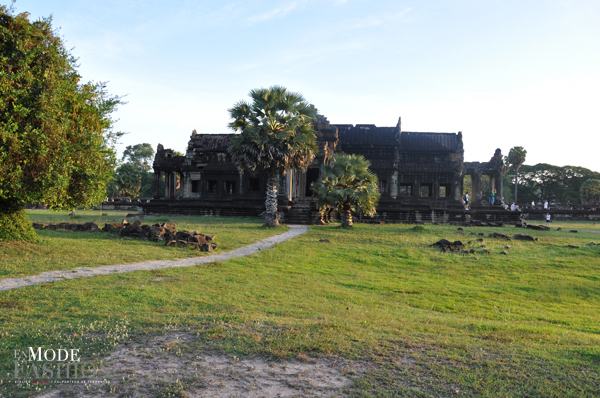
[430, 142]
[211, 142]
[366, 134]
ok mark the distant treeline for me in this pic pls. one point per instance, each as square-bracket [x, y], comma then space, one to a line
[544, 181]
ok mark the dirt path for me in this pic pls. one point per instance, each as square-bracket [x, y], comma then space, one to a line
[84, 272]
[173, 365]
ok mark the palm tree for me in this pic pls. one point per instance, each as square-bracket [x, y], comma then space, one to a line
[348, 185]
[275, 135]
[516, 157]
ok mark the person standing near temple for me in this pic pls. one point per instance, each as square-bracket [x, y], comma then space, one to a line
[492, 196]
[547, 219]
[545, 205]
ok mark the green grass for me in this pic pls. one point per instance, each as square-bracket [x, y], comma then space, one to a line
[427, 323]
[65, 250]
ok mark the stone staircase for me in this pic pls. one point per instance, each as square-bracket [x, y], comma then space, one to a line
[302, 211]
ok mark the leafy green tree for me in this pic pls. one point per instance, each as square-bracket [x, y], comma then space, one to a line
[56, 138]
[140, 155]
[590, 192]
[349, 186]
[129, 180]
[516, 157]
[275, 135]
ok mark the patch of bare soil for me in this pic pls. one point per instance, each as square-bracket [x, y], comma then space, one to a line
[172, 366]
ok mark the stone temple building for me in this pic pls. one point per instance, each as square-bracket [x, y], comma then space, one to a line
[420, 176]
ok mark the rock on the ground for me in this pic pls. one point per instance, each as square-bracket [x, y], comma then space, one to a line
[523, 237]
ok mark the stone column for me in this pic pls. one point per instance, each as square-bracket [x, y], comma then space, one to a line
[156, 184]
[394, 185]
[476, 183]
[241, 191]
[417, 188]
[173, 184]
[167, 185]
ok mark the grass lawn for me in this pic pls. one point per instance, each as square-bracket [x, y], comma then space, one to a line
[65, 250]
[429, 324]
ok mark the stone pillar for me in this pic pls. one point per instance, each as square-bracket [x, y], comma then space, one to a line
[394, 185]
[241, 191]
[492, 182]
[167, 185]
[417, 188]
[436, 189]
[173, 184]
[156, 184]
[186, 185]
[302, 184]
[476, 183]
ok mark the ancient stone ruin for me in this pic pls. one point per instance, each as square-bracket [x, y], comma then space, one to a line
[155, 233]
[420, 177]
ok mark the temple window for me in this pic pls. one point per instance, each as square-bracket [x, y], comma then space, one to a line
[195, 186]
[383, 186]
[253, 185]
[230, 187]
[405, 190]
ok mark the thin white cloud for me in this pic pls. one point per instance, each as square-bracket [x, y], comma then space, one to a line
[278, 12]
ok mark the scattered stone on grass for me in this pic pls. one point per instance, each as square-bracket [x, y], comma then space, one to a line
[324, 240]
[573, 230]
[137, 230]
[508, 247]
[574, 246]
[445, 245]
[523, 237]
[592, 244]
[559, 229]
[538, 227]
[504, 252]
[498, 235]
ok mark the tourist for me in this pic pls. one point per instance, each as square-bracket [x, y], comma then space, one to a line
[545, 205]
[547, 219]
[467, 199]
[532, 205]
[492, 196]
[513, 207]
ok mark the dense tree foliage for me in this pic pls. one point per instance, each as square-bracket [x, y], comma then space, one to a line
[555, 184]
[139, 155]
[133, 177]
[55, 134]
[275, 135]
[349, 186]
[590, 192]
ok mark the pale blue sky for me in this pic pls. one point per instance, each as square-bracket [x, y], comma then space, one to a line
[505, 73]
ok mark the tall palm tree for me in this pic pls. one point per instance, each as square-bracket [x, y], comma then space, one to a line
[348, 185]
[516, 157]
[275, 135]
